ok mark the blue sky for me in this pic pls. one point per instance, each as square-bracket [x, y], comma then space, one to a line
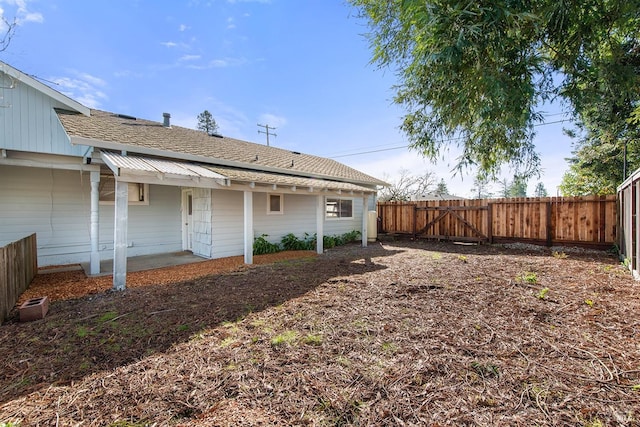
[301, 66]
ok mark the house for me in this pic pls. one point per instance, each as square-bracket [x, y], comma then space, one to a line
[99, 185]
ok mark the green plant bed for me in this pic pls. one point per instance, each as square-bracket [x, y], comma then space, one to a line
[290, 242]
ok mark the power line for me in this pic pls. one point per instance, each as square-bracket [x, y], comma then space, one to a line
[400, 147]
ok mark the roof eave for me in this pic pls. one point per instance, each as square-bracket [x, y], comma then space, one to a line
[78, 140]
[41, 87]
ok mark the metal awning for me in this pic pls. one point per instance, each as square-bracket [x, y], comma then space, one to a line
[149, 170]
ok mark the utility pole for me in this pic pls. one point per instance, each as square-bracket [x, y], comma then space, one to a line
[266, 131]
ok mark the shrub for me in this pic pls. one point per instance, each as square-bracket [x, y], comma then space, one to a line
[290, 242]
[262, 246]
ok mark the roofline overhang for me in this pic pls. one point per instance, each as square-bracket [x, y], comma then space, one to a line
[78, 140]
[41, 87]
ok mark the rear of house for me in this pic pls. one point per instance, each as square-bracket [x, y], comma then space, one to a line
[98, 185]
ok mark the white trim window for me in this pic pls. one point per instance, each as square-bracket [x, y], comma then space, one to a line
[275, 204]
[138, 193]
[337, 208]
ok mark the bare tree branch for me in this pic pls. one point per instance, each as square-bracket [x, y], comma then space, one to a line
[407, 186]
[8, 29]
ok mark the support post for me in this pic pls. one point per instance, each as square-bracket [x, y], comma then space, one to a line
[365, 220]
[248, 227]
[320, 212]
[94, 259]
[120, 236]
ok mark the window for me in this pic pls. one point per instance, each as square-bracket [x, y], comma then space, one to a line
[138, 193]
[339, 208]
[274, 204]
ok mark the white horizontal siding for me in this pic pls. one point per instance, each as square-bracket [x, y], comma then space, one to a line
[227, 223]
[298, 217]
[55, 204]
[154, 228]
[28, 122]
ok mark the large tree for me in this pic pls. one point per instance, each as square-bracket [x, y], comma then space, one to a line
[477, 73]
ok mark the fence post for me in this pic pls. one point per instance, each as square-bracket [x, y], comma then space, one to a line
[549, 224]
[415, 220]
[490, 222]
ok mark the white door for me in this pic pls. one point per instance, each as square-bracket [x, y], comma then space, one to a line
[187, 220]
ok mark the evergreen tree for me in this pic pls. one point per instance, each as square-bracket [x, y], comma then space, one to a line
[441, 188]
[207, 123]
[540, 190]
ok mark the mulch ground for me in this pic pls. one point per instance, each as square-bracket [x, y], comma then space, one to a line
[401, 333]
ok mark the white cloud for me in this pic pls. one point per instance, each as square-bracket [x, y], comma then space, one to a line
[169, 44]
[189, 57]
[231, 23]
[272, 120]
[183, 28]
[21, 12]
[83, 88]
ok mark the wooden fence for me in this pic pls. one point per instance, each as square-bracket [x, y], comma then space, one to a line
[629, 222]
[18, 267]
[578, 221]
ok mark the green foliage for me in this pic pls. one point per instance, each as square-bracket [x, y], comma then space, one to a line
[540, 190]
[207, 123]
[597, 166]
[476, 73]
[514, 188]
[542, 294]
[287, 337]
[441, 188]
[332, 241]
[529, 277]
[313, 339]
[262, 246]
[82, 331]
[108, 316]
[290, 242]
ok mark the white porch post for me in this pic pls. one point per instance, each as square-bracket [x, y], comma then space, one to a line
[320, 212]
[94, 260]
[120, 236]
[365, 220]
[248, 227]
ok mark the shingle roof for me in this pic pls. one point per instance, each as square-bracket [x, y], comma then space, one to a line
[244, 175]
[105, 129]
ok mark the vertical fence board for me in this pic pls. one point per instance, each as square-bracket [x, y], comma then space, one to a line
[588, 221]
[18, 267]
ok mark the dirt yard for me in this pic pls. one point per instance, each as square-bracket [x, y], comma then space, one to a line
[404, 333]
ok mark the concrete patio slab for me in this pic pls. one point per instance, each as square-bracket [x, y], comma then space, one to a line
[147, 262]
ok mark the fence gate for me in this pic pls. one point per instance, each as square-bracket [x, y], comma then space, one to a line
[462, 223]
